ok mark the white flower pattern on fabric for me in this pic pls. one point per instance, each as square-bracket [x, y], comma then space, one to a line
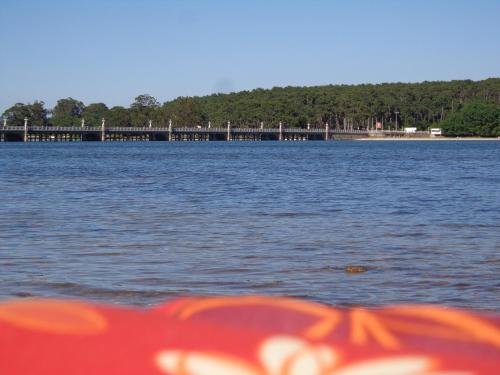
[289, 355]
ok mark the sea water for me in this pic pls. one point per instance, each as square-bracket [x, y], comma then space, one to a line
[142, 222]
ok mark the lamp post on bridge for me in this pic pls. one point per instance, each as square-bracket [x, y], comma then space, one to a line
[280, 137]
[103, 130]
[169, 130]
[81, 133]
[4, 122]
[229, 130]
[25, 129]
[150, 124]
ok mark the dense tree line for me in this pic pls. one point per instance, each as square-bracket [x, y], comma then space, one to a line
[474, 119]
[396, 105]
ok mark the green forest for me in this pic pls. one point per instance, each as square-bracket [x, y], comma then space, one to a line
[460, 108]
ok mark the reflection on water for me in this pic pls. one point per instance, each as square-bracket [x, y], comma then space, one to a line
[138, 223]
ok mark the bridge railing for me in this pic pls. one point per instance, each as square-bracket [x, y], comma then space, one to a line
[130, 129]
[12, 128]
[200, 130]
[51, 128]
[214, 130]
[58, 129]
[255, 130]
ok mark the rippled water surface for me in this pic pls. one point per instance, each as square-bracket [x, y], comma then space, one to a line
[138, 223]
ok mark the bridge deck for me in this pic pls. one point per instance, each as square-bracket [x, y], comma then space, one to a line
[83, 133]
[98, 129]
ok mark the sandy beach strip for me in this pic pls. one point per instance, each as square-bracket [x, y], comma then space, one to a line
[429, 139]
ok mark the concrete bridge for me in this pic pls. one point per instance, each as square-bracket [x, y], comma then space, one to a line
[101, 133]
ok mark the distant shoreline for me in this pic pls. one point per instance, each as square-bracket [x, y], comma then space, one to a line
[429, 139]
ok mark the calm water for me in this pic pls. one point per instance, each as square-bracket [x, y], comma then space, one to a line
[138, 223]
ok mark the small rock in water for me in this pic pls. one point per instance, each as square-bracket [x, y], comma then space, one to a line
[356, 269]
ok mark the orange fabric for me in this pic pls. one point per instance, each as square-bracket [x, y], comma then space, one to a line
[244, 336]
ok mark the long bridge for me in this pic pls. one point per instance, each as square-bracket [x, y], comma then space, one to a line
[101, 133]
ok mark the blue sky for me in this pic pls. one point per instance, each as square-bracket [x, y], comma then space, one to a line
[111, 51]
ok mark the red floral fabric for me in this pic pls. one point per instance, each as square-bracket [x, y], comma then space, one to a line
[249, 335]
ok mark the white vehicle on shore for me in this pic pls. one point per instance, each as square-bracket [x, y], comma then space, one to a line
[436, 132]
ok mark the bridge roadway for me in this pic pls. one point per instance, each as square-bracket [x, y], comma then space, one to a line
[78, 133]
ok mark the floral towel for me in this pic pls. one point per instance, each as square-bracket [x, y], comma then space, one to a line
[247, 335]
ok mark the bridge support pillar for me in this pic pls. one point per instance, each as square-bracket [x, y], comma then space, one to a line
[280, 137]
